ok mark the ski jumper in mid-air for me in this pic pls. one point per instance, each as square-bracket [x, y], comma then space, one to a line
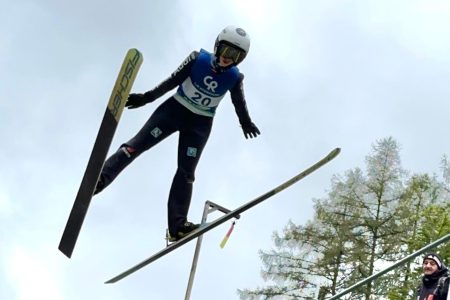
[202, 80]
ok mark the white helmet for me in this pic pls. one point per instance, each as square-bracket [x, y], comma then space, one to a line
[232, 42]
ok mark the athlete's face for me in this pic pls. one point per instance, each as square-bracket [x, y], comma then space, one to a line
[225, 62]
[429, 266]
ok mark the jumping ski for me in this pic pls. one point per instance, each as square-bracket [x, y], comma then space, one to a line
[200, 231]
[116, 104]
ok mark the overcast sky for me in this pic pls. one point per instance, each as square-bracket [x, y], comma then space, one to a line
[319, 75]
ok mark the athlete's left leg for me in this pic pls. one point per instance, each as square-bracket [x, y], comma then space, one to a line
[191, 144]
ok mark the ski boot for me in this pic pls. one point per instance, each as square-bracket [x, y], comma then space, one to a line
[182, 231]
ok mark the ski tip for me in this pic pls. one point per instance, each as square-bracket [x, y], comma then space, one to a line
[134, 51]
[334, 153]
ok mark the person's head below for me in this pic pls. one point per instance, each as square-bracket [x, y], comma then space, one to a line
[231, 46]
[432, 263]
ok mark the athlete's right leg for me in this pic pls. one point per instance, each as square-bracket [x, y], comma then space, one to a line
[157, 128]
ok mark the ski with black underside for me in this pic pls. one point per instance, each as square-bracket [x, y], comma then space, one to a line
[228, 216]
[116, 104]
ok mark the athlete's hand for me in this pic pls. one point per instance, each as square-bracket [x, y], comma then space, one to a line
[136, 100]
[250, 130]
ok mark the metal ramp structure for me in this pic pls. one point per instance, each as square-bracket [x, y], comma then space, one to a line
[210, 207]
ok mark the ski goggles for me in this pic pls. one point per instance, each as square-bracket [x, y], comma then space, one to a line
[230, 52]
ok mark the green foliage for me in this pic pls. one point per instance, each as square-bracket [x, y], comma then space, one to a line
[367, 221]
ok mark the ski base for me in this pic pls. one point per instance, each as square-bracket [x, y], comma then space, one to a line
[116, 104]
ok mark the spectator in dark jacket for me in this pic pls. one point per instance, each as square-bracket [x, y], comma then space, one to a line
[435, 280]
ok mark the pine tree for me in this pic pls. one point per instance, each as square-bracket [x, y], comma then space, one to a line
[367, 221]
